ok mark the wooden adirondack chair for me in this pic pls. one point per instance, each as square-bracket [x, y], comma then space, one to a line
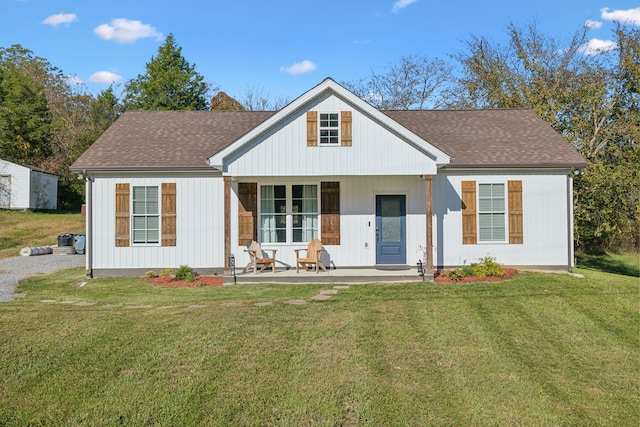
[259, 256]
[313, 256]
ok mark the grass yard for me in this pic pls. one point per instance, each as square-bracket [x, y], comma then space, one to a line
[535, 350]
[21, 229]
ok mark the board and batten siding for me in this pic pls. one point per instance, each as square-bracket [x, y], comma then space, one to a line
[285, 151]
[199, 225]
[544, 221]
[357, 246]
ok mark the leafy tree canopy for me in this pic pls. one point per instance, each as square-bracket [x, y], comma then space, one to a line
[170, 83]
[25, 120]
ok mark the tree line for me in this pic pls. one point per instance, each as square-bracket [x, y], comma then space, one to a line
[592, 100]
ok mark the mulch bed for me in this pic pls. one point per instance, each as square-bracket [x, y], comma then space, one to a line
[441, 277]
[172, 282]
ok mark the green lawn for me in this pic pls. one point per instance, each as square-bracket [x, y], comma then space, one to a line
[535, 350]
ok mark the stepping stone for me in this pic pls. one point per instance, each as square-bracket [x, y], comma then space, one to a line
[321, 297]
[67, 302]
[297, 302]
[328, 292]
[263, 304]
[138, 306]
[230, 304]
[84, 304]
[197, 306]
[341, 287]
[48, 300]
[164, 307]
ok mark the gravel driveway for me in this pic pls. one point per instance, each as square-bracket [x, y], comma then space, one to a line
[12, 270]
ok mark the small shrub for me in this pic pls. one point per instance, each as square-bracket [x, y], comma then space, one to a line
[467, 271]
[455, 274]
[151, 274]
[492, 267]
[185, 273]
[477, 270]
[166, 272]
[487, 267]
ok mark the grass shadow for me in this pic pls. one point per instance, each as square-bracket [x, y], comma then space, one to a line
[625, 266]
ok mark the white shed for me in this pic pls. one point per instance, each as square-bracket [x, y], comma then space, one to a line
[27, 187]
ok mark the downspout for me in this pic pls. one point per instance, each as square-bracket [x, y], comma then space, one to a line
[570, 221]
[89, 227]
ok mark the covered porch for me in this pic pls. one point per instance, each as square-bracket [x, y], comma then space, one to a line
[349, 219]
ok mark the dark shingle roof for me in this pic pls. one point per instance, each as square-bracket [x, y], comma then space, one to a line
[143, 140]
[491, 138]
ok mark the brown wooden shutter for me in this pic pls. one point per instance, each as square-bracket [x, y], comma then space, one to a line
[123, 201]
[169, 214]
[469, 228]
[515, 212]
[330, 213]
[312, 128]
[247, 212]
[345, 128]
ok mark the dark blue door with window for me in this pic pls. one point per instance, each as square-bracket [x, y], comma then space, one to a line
[391, 247]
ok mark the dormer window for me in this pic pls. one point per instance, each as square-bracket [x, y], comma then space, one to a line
[329, 129]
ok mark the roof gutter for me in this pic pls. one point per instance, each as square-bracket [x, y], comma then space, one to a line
[84, 169]
[458, 166]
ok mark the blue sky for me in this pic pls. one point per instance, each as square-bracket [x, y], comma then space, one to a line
[284, 47]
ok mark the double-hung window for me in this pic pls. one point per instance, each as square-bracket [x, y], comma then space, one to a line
[491, 213]
[329, 129]
[288, 213]
[146, 215]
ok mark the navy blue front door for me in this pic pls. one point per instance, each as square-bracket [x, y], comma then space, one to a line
[391, 247]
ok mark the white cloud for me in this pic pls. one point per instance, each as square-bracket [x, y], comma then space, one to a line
[299, 68]
[401, 4]
[60, 18]
[597, 46]
[631, 16]
[73, 80]
[123, 30]
[105, 77]
[593, 24]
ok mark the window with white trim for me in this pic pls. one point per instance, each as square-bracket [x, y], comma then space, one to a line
[329, 129]
[145, 215]
[491, 213]
[288, 213]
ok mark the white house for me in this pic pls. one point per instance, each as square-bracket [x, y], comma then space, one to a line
[168, 188]
[27, 187]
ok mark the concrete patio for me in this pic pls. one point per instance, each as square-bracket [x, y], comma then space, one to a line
[394, 274]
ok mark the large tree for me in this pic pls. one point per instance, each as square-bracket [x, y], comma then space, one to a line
[590, 98]
[255, 98]
[170, 83]
[25, 120]
[46, 121]
[412, 83]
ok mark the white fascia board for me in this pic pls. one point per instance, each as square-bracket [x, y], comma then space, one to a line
[328, 84]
